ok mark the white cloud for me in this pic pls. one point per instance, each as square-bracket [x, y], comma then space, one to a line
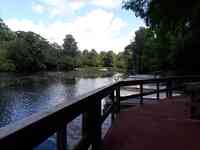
[76, 5]
[107, 3]
[58, 7]
[38, 8]
[66, 7]
[98, 29]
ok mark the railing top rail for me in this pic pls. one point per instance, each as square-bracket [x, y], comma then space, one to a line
[154, 80]
[42, 125]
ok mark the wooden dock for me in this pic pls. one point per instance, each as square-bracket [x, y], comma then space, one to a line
[165, 125]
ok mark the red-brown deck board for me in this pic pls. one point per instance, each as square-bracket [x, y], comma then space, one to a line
[162, 126]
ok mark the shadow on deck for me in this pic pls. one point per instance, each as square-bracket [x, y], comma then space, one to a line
[165, 125]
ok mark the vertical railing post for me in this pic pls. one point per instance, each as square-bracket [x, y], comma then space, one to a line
[118, 99]
[169, 92]
[157, 90]
[167, 88]
[91, 126]
[113, 102]
[96, 144]
[170, 89]
[141, 93]
[62, 138]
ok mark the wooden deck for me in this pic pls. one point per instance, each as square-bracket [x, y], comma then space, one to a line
[165, 125]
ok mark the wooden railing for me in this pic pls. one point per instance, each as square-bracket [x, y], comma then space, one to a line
[32, 131]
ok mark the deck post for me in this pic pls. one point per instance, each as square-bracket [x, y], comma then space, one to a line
[170, 89]
[118, 99]
[167, 89]
[91, 126]
[96, 144]
[141, 93]
[62, 138]
[157, 91]
[113, 102]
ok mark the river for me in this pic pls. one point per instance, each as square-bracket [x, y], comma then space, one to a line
[23, 95]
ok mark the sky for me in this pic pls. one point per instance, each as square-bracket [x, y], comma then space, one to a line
[99, 24]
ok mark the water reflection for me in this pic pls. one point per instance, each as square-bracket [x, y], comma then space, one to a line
[23, 95]
[40, 92]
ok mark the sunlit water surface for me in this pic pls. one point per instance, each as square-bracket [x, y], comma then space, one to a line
[36, 93]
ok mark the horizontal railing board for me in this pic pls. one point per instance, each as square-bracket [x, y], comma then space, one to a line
[137, 95]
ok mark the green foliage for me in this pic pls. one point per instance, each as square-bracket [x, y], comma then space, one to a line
[29, 52]
[67, 63]
[141, 54]
[103, 59]
[128, 59]
[26, 52]
[52, 54]
[108, 59]
[70, 51]
[5, 64]
[70, 46]
[120, 62]
[5, 33]
[90, 58]
[176, 29]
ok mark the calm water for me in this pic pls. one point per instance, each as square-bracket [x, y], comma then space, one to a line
[21, 96]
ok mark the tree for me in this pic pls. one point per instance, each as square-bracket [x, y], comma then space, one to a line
[90, 58]
[5, 33]
[6, 65]
[70, 46]
[26, 52]
[93, 56]
[139, 48]
[120, 62]
[6, 36]
[30, 52]
[142, 54]
[130, 59]
[177, 28]
[171, 15]
[52, 55]
[107, 58]
[70, 50]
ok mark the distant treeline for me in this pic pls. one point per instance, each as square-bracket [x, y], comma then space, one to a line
[29, 52]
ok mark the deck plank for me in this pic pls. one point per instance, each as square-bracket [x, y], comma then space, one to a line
[165, 125]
